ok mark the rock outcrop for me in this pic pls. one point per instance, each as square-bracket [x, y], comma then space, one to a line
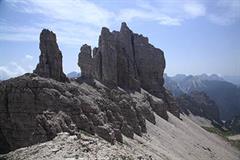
[85, 62]
[36, 107]
[50, 60]
[125, 59]
[198, 103]
[128, 60]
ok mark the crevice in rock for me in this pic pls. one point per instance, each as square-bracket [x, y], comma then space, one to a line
[6, 103]
[4, 146]
[100, 66]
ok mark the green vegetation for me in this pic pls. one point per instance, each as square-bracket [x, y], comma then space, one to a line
[224, 135]
[218, 131]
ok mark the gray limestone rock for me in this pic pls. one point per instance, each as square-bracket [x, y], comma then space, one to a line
[50, 60]
[35, 107]
[106, 132]
[128, 60]
[85, 61]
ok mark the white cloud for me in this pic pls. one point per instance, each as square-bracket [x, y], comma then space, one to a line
[194, 8]
[14, 69]
[164, 12]
[81, 11]
[27, 56]
[5, 73]
[79, 21]
[74, 21]
[227, 12]
[17, 68]
[130, 14]
[11, 70]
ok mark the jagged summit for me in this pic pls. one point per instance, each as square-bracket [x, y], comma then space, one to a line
[35, 107]
[126, 59]
[50, 59]
[125, 100]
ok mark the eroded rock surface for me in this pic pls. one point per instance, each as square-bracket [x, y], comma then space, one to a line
[128, 60]
[50, 60]
[34, 109]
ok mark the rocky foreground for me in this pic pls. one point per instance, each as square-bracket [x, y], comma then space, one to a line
[172, 140]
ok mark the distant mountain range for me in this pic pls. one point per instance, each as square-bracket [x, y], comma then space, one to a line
[198, 103]
[225, 94]
[233, 79]
[73, 74]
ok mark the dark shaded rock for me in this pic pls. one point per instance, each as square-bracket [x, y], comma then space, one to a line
[85, 62]
[50, 123]
[106, 132]
[171, 102]
[85, 124]
[127, 130]
[158, 106]
[34, 109]
[105, 109]
[50, 60]
[118, 135]
[4, 146]
[198, 103]
[128, 60]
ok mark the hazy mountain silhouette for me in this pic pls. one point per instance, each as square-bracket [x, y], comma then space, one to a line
[225, 94]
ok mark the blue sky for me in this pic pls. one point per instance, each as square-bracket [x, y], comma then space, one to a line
[197, 36]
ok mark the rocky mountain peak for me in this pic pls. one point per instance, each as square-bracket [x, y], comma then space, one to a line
[127, 60]
[125, 28]
[85, 61]
[50, 59]
[47, 35]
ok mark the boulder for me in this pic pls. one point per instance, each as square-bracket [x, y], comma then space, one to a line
[127, 130]
[106, 132]
[51, 123]
[158, 106]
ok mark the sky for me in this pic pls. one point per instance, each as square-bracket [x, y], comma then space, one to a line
[197, 36]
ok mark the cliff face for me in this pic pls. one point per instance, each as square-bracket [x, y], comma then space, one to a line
[127, 60]
[50, 59]
[35, 107]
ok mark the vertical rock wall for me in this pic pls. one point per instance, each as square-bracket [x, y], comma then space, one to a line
[50, 60]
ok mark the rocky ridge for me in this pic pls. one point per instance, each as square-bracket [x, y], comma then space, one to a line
[198, 103]
[127, 60]
[35, 107]
[225, 94]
